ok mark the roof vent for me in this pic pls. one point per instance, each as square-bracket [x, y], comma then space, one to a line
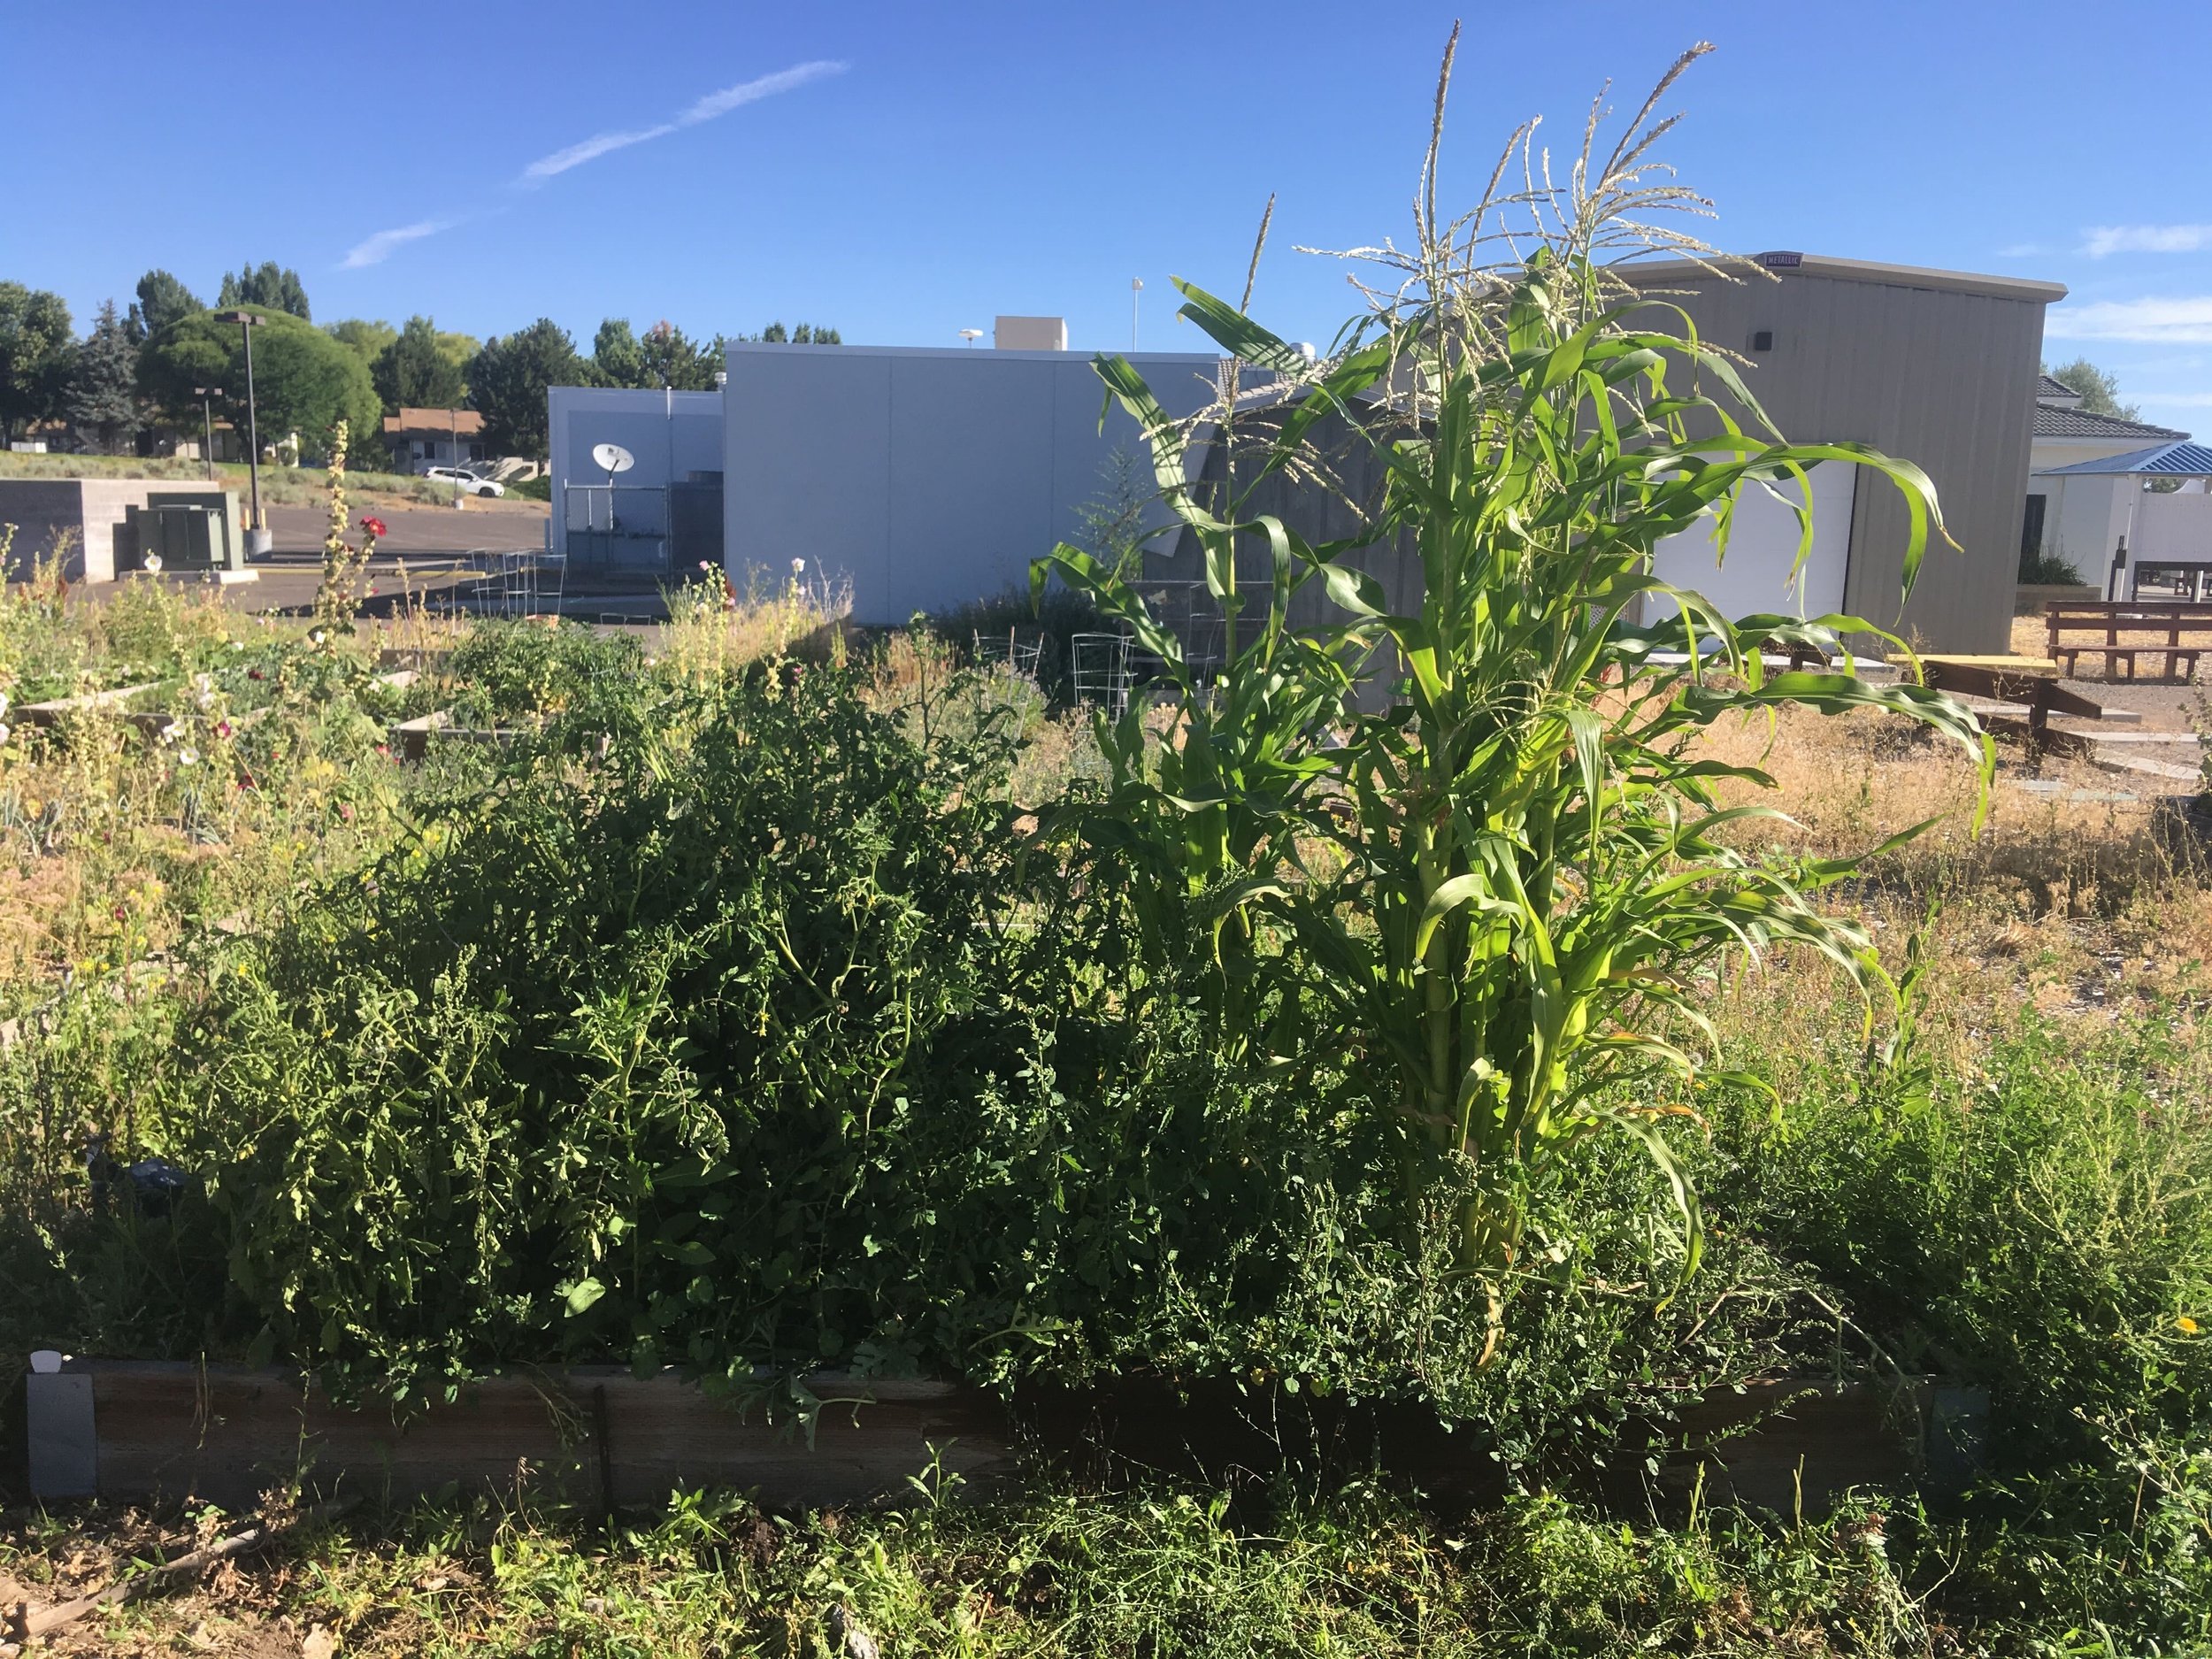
[1030, 334]
[1780, 261]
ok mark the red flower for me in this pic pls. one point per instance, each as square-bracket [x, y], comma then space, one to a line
[374, 526]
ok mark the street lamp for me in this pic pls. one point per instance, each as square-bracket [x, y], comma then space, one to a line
[1136, 287]
[207, 394]
[248, 321]
[972, 335]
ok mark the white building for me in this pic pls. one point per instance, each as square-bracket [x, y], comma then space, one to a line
[2080, 517]
[924, 479]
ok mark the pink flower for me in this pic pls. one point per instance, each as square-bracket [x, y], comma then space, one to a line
[222, 728]
[372, 525]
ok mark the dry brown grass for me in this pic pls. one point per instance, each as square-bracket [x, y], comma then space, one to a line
[2073, 900]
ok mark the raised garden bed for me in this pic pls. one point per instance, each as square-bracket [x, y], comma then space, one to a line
[140, 1431]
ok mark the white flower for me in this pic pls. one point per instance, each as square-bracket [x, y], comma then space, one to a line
[152, 562]
[3, 733]
[3, 702]
[169, 732]
[238, 645]
[798, 567]
[316, 636]
[188, 756]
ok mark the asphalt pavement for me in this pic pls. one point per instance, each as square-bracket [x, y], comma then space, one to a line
[414, 531]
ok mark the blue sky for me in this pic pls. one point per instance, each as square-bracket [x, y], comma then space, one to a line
[904, 171]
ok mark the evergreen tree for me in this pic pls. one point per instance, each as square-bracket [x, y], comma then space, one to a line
[414, 373]
[37, 351]
[270, 287]
[671, 358]
[101, 401]
[162, 300]
[617, 356]
[508, 379]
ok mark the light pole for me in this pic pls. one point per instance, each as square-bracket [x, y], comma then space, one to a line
[248, 321]
[207, 394]
[1136, 287]
[972, 335]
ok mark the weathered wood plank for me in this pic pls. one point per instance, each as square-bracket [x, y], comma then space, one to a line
[167, 1430]
[228, 1432]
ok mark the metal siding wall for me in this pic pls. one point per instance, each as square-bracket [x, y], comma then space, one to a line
[1940, 378]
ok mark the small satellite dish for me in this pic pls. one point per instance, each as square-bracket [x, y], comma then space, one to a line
[613, 458]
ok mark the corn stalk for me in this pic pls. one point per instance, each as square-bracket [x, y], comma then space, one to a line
[1523, 868]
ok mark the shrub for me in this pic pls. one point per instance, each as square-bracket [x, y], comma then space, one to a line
[2053, 569]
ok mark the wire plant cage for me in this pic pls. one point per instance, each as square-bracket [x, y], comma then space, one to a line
[1021, 654]
[1098, 664]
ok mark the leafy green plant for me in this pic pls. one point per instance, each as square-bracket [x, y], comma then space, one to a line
[1505, 887]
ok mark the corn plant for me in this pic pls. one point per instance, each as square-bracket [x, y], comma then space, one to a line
[1505, 887]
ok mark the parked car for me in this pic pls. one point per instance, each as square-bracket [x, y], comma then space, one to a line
[469, 483]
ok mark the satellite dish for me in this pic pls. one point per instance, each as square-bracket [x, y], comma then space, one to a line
[613, 458]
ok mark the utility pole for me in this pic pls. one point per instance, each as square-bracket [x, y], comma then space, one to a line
[207, 394]
[248, 321]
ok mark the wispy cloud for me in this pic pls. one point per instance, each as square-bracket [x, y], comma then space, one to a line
[576, 155]
[711, 107]
[2100, 241]
[2022, 250]
[2183, 320]
[381, 246]
[378, 248]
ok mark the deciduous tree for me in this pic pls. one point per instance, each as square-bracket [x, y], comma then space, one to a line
[305, 381]
[162, 300]
[37, 350]
[277, 288]
[2100, 389]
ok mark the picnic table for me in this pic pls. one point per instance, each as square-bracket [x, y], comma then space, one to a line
[2187, 627]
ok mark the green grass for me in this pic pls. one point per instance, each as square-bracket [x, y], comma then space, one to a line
[281, 486]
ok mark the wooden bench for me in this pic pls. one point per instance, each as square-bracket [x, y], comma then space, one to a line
[2028, 682]
[2187, 628]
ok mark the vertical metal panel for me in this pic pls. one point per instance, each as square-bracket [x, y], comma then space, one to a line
[1939, 375]
[1942, 378]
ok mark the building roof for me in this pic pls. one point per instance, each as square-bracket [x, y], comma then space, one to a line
[2052, 421]
[1787, 265]
[443, 422]
[2162, 460]
[2050, 389]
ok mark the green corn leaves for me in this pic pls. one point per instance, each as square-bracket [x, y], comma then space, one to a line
[1505, 881]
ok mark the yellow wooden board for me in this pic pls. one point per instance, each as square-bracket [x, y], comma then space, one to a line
[2043, 666]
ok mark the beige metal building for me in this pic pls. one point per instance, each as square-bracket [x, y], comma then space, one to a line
[1939, 367]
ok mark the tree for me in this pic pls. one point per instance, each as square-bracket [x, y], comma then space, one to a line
[616, 354]
[508, 380]
[37, 351]
[2100, 389]
[366, 339]
[162, 300]
[413, 372]
[804, 334]
[102, 399]
[277, 290]
[305, 381]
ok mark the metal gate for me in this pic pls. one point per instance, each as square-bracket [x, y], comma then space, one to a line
[618, 530]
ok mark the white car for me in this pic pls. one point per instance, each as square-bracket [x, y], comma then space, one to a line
[469, 483]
